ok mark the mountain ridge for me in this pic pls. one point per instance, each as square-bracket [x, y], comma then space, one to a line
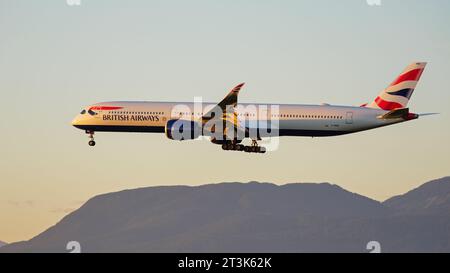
[433, 195]
[245, 217]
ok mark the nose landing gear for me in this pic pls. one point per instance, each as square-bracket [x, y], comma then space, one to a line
[91, 137]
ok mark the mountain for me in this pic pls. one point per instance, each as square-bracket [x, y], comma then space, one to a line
[245, 217]
[433, 196]
[2, 243]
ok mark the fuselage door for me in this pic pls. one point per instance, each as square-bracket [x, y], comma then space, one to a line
[349, 118]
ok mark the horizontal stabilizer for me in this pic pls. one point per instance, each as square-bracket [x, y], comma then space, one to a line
[395, 114]
[428, 114]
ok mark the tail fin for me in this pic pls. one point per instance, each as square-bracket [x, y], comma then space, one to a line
[398, 93]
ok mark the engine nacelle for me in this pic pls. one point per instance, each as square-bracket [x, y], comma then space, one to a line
[180, 129]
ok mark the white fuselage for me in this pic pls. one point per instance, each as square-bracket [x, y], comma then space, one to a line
[293, 120]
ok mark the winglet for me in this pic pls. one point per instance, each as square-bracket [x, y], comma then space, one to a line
[237, 88]
[231, 98]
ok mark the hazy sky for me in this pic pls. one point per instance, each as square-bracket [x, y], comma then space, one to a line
[56, 58]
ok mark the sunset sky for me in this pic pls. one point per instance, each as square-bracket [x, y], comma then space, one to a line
[56, 58]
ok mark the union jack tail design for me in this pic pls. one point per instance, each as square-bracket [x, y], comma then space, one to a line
[398, 93]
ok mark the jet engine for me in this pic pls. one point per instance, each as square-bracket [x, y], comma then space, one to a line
[179, 129]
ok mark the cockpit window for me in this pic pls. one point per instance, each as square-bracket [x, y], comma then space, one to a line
[83, 112]
[92, 113]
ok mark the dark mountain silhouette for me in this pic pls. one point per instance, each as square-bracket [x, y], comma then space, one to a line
[251, 217]
[431, 196]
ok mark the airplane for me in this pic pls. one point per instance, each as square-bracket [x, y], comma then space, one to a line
[228, 122]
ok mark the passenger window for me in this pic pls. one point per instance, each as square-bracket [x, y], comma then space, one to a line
[83, 112]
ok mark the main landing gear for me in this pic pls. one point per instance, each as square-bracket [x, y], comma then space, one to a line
[91, 138]
[253, 148]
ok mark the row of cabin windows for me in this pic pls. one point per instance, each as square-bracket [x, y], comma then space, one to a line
[198, 114]
[308, 116]
[276, 116]
[136, 113]
[241, 114]
[188, 113]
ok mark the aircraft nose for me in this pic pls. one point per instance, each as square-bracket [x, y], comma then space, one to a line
[76, 121]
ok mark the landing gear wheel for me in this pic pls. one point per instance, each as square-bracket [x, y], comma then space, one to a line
[254, 148]
[91, 137]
